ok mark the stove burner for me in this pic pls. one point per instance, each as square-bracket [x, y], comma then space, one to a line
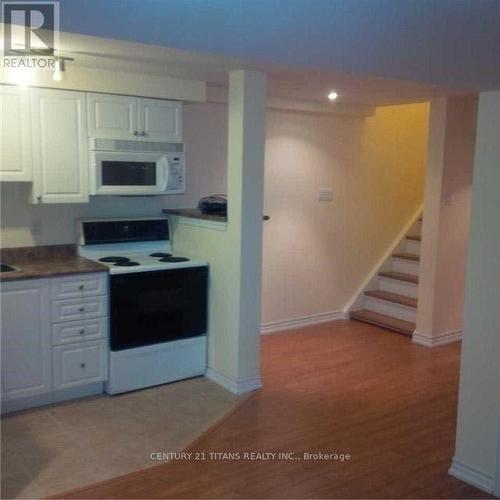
[160, 254]
[128, 263]
[115, 260]
[174, 259]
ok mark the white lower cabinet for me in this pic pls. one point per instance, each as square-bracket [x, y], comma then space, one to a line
[77, 309]
[25, 339]
[79, 331]
[75, 364]
[52, 350]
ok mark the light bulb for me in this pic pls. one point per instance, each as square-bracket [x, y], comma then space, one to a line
[58, 70]
[332, 95]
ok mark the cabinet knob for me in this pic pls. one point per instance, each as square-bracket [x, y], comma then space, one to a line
[82, 332]
[81, 287]
[142, 134]
[135, 132]
[82, 309]
[39, 198]
[82, 365]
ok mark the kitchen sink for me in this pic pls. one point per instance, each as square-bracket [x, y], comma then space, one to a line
[5, 268]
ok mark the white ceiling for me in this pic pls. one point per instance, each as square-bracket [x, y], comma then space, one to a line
[284, 82]
[448, 43]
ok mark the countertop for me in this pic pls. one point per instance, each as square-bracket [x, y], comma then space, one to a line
[46, 262]
[194, 213]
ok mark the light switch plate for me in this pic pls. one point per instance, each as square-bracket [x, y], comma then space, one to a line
[325, 194]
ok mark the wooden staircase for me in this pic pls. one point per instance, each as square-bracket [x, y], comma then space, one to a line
[392, 303]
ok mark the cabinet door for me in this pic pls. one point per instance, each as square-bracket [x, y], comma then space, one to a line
[25, 340]
[15, 134]
[160, 120]
[60, 157]
[112, 116]
[80, 364]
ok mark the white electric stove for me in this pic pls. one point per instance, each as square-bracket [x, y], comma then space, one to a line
[158, 302]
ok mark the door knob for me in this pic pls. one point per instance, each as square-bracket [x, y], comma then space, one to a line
[266, 217]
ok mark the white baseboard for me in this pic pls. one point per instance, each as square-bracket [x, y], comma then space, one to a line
[291, 324]
[472, 476]
[377, 267]
[236, 386]
[437, 340]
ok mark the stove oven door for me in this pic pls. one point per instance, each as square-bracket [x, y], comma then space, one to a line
[160, 306]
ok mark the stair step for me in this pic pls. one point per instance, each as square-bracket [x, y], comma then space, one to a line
[407, 256]
[414, 238]
[392, 297]
[384, 321]
[410, 278]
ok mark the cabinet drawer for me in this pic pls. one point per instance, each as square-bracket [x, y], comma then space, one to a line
[78, 309]
[79, 331]
[80, 285]
[80, 364]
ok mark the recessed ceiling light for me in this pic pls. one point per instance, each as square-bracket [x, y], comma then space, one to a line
[332, 95]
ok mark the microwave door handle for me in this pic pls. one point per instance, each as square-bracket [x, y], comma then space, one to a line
[165, 168]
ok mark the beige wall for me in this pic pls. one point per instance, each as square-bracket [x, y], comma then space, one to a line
[479, 397]
[235, 253]
[317, 254]
[205, 136]
[446, 220]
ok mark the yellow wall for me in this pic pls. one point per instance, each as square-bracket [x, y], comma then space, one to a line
[317, 254]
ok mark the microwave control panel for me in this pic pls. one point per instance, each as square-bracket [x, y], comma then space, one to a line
[176, 174]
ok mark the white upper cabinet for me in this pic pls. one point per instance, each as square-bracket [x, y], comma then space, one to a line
[160, 120]
[134, 118]
[15, 134]
[60, 147]
[112, 116]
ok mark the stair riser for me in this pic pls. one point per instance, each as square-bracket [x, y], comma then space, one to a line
[390, 309]
[412, 246]
[396, 286]
[405, 266]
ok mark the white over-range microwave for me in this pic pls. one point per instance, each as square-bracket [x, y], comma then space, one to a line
[133, 168]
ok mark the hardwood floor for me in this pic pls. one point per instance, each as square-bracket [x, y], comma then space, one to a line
[344, 387]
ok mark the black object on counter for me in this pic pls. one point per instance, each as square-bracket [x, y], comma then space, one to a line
[215, 204]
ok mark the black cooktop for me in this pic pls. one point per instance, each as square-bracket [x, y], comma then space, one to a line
[115, 260]
[127, 262]
[174, 259]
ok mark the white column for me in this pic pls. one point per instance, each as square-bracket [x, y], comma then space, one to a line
[445, 229]
[479, 397]
[236, 364]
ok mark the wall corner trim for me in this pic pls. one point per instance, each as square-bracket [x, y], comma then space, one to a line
[378, 265]
[292, 324]
[234, 385]
[437, 340]
[470, 475]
